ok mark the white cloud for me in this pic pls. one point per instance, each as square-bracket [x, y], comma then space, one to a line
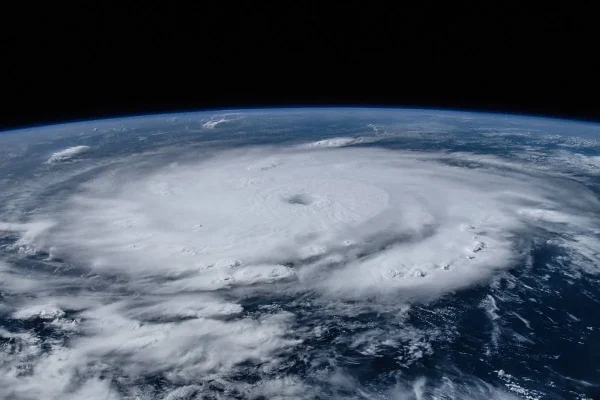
[220, 119]
[168, 259]
[43, 311]
[339, 142]
[95, 389]
[310, 203]
[67, 154]
[212, 124]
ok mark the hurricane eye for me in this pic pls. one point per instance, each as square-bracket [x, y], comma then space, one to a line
[299, 199]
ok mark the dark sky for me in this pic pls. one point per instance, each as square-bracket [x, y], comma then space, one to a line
[104, 59]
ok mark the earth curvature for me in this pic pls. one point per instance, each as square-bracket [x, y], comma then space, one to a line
[301, 254]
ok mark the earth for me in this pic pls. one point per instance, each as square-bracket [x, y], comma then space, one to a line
[301, 254]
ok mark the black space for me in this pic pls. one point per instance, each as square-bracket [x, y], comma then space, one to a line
[61, 63]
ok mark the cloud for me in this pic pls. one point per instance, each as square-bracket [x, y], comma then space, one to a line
[340, 142]
[164, 264]
[212, 124]
[68, 154]
[220, 119]
[415, 223]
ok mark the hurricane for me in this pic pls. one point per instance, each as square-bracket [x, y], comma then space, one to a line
[301, 254]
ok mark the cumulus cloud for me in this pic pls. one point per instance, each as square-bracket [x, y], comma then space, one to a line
[170, 259]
